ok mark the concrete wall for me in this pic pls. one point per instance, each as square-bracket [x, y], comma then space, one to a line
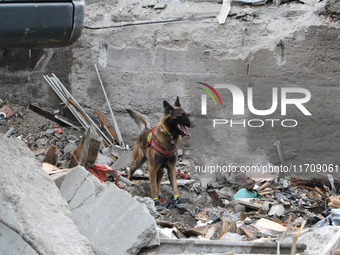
[141, 65]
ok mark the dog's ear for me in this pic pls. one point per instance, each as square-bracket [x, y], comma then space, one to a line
[167, 107]
[177, 103]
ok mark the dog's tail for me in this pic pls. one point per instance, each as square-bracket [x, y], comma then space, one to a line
[141, 120]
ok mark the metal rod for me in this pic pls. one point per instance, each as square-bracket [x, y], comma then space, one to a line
[9, 132]
[109, 132]
[67, 94]
[71, 107]
[86, 115]
[62, 97]
[112, 115]
[62, 92]
[65, 121]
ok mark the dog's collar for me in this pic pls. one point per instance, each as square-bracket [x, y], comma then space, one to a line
[151, 143]
[166, 129]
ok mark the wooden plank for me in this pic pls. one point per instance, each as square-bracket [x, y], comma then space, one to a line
[107, 125]
[49, 168]
[264, 186]
[40, 151]
[248, 203]
[52, 156]
[87, 151]
[215, 197]
[85, 147]
[47, 114]
[295, 238]
[247, 231]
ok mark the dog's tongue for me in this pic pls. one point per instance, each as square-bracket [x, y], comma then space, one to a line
[183, 129]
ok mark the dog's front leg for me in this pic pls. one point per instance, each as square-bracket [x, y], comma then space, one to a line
[153, 171]
[173, 181]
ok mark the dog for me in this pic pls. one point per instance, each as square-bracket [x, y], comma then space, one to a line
[159, 146]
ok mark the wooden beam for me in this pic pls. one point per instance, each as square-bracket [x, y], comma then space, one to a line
[215, 197]
[107, 125]
[247, 231]
[87, 151]
[47, 114]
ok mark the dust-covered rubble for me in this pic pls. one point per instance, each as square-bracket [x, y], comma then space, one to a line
[31, 202]
[244, 207]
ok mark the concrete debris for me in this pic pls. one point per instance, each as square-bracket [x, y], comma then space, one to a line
[95, 206]
[167, 232]
[269, 227]
[70, 147]
[123, 161]
[139, 172]
[159, 6]
[30, 201]
[231, 237]
[72, 138]
[315, 238]
[227, 193]
[276, 210]
[333, 7]
[107, 215]
[104, 160]
[149, 204]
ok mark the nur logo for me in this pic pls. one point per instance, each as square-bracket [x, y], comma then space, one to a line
[204, 97]
[239, 104]
[238, 99]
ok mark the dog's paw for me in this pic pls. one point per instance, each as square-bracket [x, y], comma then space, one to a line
[158, 205]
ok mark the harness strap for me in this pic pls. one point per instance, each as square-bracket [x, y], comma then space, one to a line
[161, 151]
[151, 142]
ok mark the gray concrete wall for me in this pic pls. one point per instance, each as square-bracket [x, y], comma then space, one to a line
[286, 46]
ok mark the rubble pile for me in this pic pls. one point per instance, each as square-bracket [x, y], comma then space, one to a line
[241, 210]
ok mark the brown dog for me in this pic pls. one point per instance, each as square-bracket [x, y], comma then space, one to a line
[159, 146]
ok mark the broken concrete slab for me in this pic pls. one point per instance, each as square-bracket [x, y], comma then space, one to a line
[59, 177]
[333, 7]
[231, 237]
[123, 161]
[149, 204]
[104, 160]
[70, 147]
[30, 201]
[108, 216]
[227, 193]
[315, 239]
